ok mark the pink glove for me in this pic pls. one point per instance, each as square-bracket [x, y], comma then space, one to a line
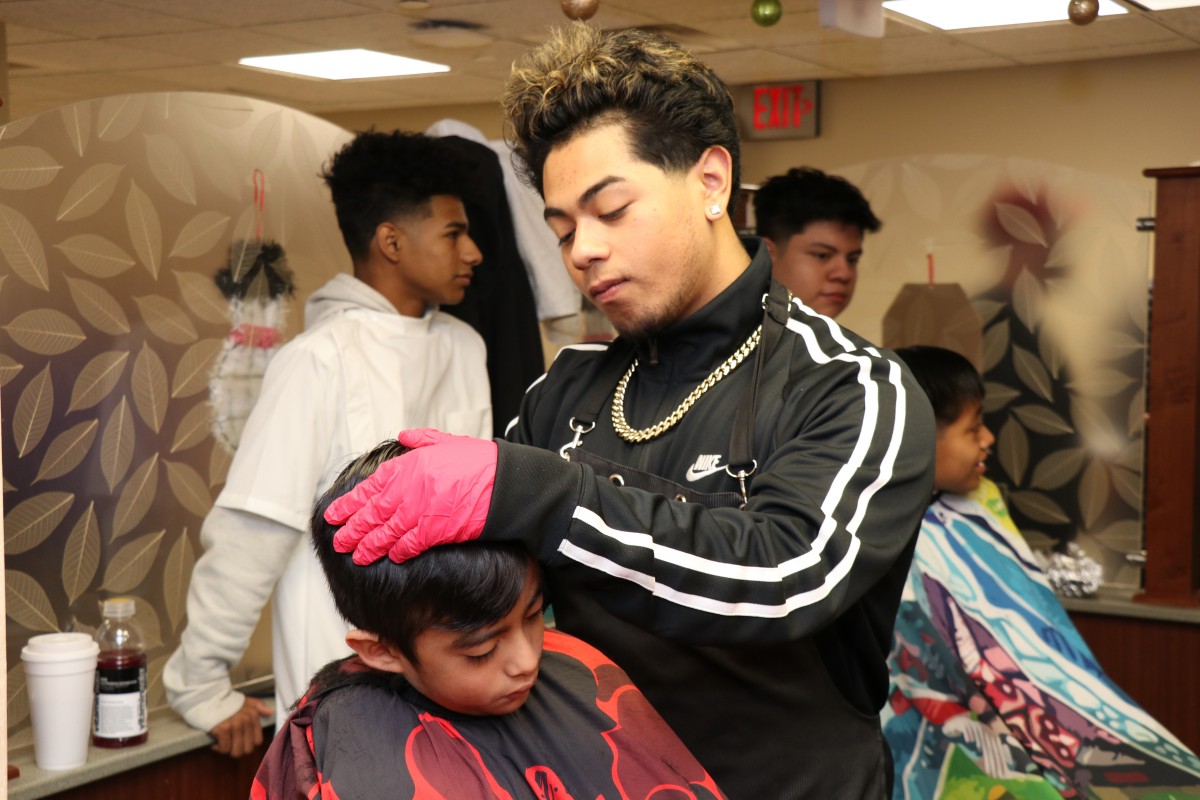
[437, 494]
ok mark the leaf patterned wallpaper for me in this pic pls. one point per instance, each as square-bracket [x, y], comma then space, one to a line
[115, 214]
[1051, 262]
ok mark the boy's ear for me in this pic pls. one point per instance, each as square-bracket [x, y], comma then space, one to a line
[772, 250]
[391, 240]
[375, 653]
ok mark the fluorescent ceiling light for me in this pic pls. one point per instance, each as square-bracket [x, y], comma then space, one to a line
[1163, 5]
[950, 15]
[343, 65]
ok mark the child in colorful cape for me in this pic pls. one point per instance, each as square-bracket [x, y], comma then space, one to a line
[994, 693]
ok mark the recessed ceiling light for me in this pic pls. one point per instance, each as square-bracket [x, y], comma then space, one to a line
[950, 15]
[343, 65]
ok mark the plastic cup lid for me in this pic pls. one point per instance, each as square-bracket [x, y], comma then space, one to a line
[56, 646]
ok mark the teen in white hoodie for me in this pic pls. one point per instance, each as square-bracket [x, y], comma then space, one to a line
[376, 356]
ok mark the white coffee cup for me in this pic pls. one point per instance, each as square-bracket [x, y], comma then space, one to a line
[60, 673]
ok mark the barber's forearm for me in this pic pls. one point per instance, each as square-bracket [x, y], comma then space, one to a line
[533, 498]
[780, 570]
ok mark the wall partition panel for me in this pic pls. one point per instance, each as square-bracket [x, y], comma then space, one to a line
[115, 215]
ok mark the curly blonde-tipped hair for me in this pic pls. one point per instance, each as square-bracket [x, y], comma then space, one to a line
[672, 105]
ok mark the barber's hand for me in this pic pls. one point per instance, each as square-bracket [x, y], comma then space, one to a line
[438, 493]
[238, 735]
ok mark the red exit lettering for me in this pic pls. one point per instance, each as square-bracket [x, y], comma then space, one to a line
[780, 107]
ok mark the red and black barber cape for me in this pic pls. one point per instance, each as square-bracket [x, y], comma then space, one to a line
[585, 733]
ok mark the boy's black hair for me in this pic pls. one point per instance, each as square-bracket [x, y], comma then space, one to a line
[382, 177]
[950, 380]
[459, 588]
[787, 204]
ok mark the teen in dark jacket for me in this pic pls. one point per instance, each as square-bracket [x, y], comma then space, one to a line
[728, 510]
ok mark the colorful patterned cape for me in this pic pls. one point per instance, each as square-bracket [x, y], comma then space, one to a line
[585, 733]
[994, 693]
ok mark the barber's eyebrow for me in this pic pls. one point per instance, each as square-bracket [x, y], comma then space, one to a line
[455, 224]
[586, 197]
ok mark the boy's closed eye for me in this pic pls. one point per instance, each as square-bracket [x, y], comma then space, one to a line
[483, 657]
[479, 646]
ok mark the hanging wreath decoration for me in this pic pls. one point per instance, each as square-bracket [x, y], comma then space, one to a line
[257, 283]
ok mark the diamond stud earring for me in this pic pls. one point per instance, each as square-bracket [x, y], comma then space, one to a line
[714, 210]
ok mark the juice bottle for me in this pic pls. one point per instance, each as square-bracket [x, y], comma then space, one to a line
[119, 717]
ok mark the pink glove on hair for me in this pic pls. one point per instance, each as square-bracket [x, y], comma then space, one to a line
[438, 493]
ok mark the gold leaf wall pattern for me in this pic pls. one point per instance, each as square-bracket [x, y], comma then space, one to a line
[114, 216]
[1058, 275]
[97, 380]
[67, 450]
[98, 307]
[90, 192]
[21, 248]
[26, 168]
[95, 255]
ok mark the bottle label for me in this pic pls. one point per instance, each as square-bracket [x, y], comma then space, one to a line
[120, 710]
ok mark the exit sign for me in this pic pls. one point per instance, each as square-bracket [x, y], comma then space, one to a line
[779, 110]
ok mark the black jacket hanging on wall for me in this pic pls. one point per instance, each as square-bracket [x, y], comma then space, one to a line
[499, 303]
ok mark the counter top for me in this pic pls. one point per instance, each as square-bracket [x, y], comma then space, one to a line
[169, 736]
[1118, 601]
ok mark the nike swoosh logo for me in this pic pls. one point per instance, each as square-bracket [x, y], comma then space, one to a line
[694, 475]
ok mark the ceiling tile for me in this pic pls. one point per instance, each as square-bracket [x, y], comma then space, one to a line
[1184, 21]
[523, 20]
[19, 34]
[1110, 51]
[1062, 37]
[795, 29]
[68, 50]
[687, 12]
[207, 48]
[926, 52]
[92, 19]
[244, 13]
[305, 94]
[91, 56]
[314, 95]
[387, 32]
[757, 66]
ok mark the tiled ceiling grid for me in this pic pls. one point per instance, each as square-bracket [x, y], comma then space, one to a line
[62, 51]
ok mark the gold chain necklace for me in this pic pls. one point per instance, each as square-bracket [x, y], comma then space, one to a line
[635, 435]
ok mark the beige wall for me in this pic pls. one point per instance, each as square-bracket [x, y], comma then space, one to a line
[484, 116]
[1114, 117]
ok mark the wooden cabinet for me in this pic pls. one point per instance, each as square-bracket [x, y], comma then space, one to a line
[1172, 574]
[196, 775]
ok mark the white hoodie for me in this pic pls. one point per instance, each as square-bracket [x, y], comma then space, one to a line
[359, 374]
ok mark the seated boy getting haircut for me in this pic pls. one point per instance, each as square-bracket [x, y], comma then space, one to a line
[993, 691]
[457, 691]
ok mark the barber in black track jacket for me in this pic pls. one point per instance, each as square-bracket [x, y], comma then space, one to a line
[725, 498]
